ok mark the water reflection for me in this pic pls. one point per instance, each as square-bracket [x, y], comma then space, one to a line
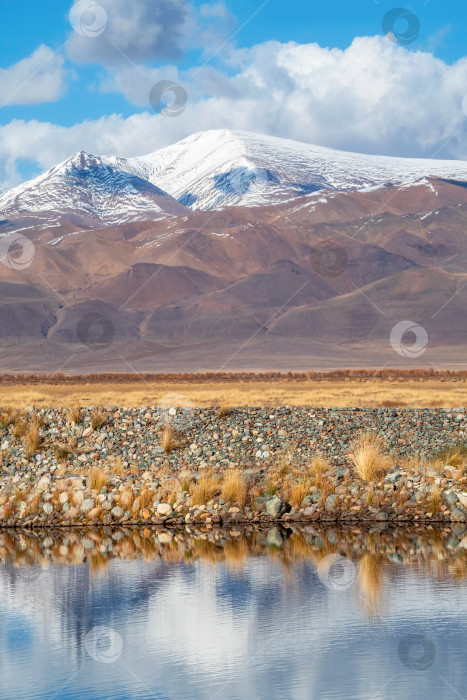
[285, 613]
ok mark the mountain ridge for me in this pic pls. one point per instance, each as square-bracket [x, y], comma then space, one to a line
[210, 170]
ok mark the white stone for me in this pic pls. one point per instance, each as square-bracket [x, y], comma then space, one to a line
[165, 537]
[172, 411]
[164, 509]
[463, 499]
[44, 483]
[87, 505]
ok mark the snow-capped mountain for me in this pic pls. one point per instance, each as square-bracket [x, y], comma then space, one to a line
[87, 187]
[209, 170]
[222, 168]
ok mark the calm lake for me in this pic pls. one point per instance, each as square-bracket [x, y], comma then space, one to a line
[292, 614]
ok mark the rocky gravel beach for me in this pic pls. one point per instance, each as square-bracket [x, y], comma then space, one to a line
[115, 466]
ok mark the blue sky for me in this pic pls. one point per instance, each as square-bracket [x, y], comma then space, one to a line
[82, 92]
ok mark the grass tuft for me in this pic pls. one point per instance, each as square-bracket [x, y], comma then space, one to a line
[98, 418]
[62, 452]
[32, 438]
[298, 492]
[20, 427]
[224, 411]
[318, 465]
[169, 439]
[369, 456]
[234, 488]
[97, 479]
[454, 456]
[74, 412]
[206, 489]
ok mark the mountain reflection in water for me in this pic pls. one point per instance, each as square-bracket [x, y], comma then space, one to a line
[285, 613]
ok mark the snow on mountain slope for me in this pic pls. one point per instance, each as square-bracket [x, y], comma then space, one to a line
[86, 186]
[222, 168]
[208, 170]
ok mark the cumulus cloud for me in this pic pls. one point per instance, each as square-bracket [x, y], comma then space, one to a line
[373, 97]
[141, 31]
[38, 78]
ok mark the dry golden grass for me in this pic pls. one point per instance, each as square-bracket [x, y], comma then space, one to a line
[97, 478]
[428, 393]
[454, 456]
[62, 452]
[32, 438]
[369, 457]
[169, 439]
[6, 418]
[146, 498]
[117, 468]
[75, 414]
[127, 499]
[206, 488]
[435, 497]
[297, 493]
[318, 465]
[224, 411]
[98, 418]
[20, 427]
[371, 583]
[234, 489]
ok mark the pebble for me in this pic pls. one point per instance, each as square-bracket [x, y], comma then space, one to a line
[254, 440]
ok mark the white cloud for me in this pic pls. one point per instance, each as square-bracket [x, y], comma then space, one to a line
[119, 31]
[38, 78]
[374, 97]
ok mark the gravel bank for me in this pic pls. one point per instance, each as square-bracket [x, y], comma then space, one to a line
[271, 447]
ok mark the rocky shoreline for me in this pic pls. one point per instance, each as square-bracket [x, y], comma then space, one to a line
[174, 465]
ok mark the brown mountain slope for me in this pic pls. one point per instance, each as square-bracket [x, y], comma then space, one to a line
[313, 281]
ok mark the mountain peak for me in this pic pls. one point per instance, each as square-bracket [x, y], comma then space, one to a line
[83, 160]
